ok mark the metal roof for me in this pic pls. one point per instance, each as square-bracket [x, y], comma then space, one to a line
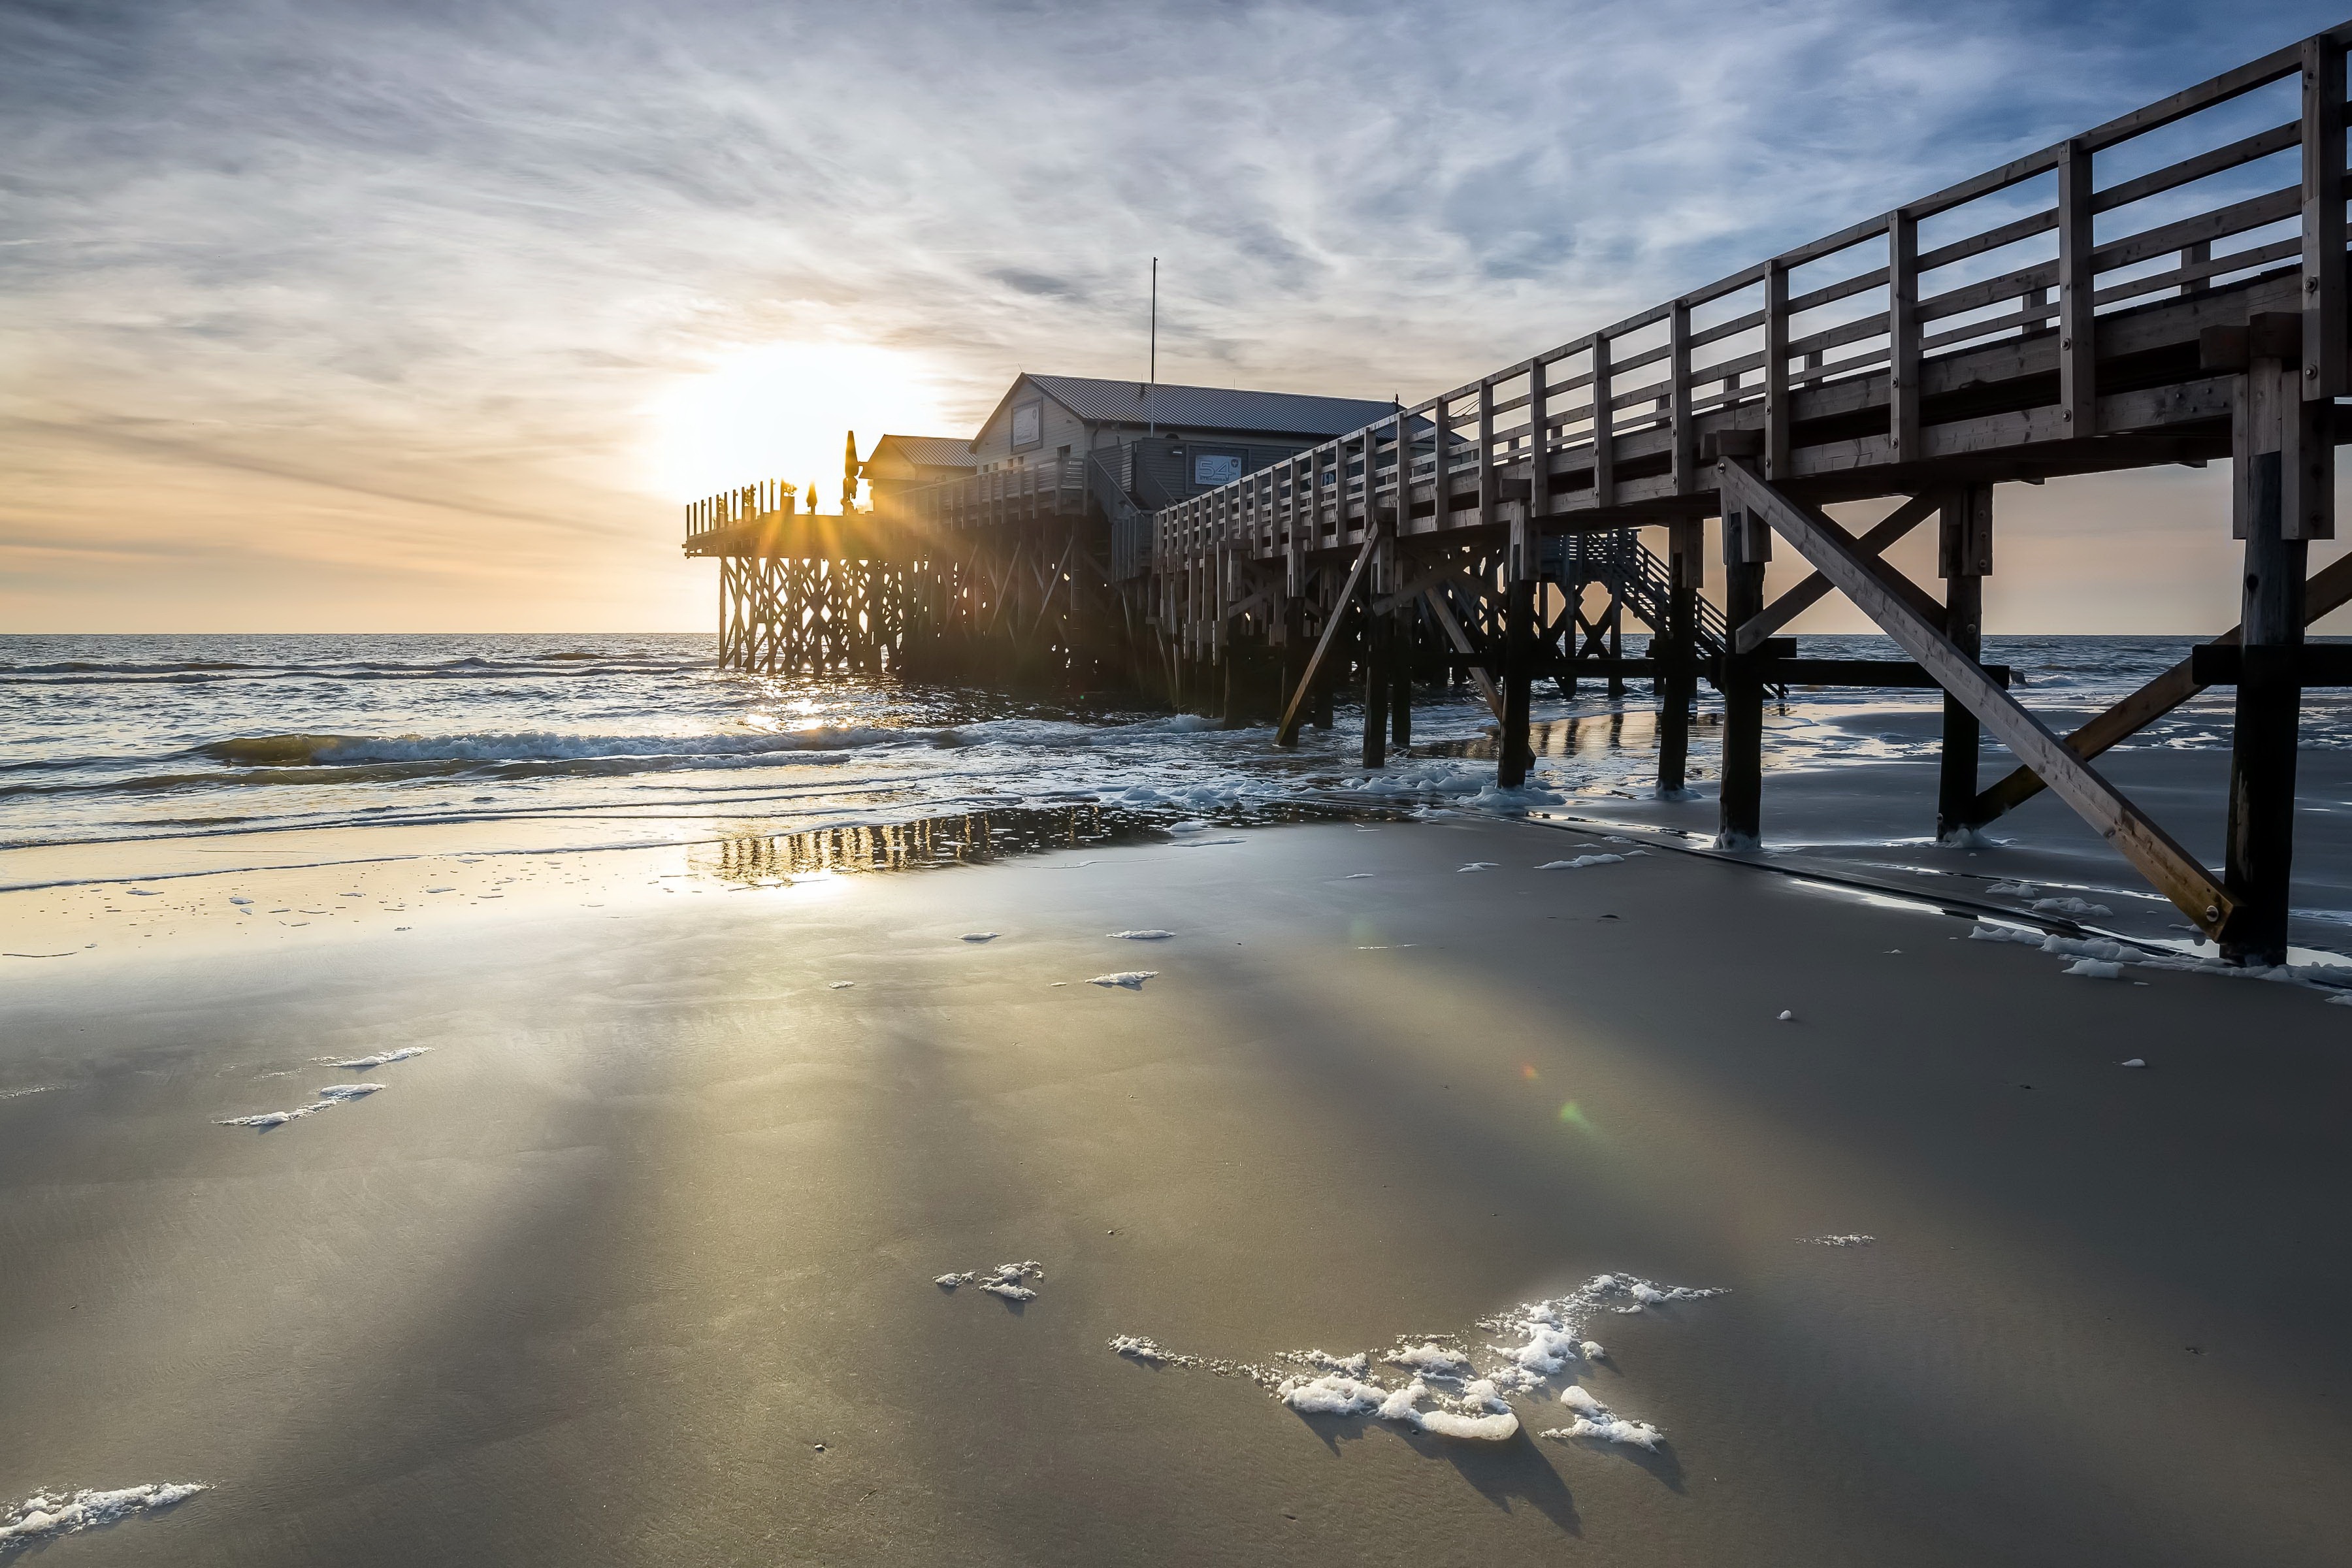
[1210, 407]
[928, 451]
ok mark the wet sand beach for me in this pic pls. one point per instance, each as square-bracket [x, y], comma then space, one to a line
[635, 1263]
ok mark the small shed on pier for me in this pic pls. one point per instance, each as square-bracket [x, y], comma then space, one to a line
[901, 463]
[1161, 444]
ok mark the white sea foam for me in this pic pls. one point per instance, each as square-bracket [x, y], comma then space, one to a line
[1580, 862]
[47, 1515]
[333, 1094]
[1452, 1389]
[20, 1093]
[1597, 1421]
[1004, 1279]
[2142, 1061]
[1837, 1240]
[2095, 969]
[1478, 866]
[1126, 979]
[381, 1059]
[840, 984]
[2069, 907]
[1143, 935]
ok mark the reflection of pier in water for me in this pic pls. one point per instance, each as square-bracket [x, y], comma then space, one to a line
[969, 838]
[1579, 736]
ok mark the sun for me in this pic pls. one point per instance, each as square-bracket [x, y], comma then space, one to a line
[777, 411]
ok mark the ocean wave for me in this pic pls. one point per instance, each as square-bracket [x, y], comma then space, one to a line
[304, 751]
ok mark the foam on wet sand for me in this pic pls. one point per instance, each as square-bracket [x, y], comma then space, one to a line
[46, 1516]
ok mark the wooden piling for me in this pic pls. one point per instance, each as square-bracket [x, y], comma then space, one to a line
[1964, 555]
[2260, 822]
[1747, 546]
[1679, 686]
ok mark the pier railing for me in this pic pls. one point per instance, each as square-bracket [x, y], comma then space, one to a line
[1999, 314]
[1025, 492]
[746, 503]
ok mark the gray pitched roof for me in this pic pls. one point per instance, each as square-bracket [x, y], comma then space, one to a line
[1210, 407]
[929, 451]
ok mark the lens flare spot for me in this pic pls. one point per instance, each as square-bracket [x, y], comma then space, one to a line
[1573, 1114]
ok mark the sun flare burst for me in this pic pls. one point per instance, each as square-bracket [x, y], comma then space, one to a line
[778, 410]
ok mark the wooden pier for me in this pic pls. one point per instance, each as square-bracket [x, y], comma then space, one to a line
[2168, 288]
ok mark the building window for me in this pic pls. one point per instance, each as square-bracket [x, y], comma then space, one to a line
[1028, 420]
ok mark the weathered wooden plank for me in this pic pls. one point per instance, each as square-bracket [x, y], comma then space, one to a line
[2172, 870]
[2260, 145]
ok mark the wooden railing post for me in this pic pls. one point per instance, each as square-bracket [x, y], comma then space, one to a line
[1604, 442]
[1776, 369]
[2325, 315]
[2077, 333]
[1902, 338]
[1678, 399]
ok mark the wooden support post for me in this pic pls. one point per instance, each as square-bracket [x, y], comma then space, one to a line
[1614, 617]
[1747, 547]
[1685, 568]
[2077, 339]
[1287, 734]
[1400, 651]
[1963, 557]
[2261, 835]
[1376, 688]
[1513, 755]
[2173, 871]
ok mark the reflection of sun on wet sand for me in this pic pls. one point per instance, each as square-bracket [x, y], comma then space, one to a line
[636, 1261]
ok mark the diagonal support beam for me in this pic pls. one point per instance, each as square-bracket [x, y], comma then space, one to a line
[2328, 590]
[1815, 588]
[1287, 735]
[2171, 869]
[1468, 649]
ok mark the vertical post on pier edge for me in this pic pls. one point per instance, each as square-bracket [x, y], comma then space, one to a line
[1513, 755]
[1376, 580]
[1964, 556]
[1747, 546]
[2260, 832]
[1400, 651]
[1685, 568]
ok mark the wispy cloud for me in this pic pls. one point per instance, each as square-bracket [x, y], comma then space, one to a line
[447, 258]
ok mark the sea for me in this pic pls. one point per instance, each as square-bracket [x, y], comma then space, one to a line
[128, 757]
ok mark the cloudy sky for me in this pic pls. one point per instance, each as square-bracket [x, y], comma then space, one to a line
[425, 315]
